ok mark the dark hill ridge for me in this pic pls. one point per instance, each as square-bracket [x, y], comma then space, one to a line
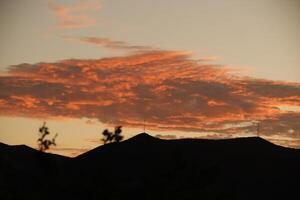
[145, 167]
[19, 152]
[143, 137]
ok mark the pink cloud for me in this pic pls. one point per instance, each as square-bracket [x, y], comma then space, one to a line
[75, 15]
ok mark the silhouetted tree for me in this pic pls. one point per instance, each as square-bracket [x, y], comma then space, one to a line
[43, 143]
[109, 137]
[117, 136]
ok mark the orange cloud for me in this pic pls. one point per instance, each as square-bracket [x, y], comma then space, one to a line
[74, 15]
[168, 89]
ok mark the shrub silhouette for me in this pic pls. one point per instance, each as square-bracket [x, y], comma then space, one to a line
[109, 137]
[43, 143]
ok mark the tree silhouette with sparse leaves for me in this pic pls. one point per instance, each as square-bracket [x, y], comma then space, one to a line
[109, 137]
[43, 143]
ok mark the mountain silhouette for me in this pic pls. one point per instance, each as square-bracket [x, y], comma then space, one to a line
[145, 167]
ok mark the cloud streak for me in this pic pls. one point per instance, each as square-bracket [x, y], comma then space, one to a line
[110, 44]
[167, 88]
[71, 152]
[75, 15]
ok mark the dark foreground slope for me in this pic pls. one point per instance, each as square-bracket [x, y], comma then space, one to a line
[26, 173]
[145, 167]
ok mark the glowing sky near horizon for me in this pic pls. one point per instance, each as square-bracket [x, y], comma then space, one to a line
[195, 68]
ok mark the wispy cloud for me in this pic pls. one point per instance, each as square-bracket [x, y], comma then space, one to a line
[71, 152]
[75, 15]
[166, 137]
[109, 43]
[167, 88]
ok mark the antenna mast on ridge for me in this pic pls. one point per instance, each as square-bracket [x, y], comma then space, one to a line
[144, 125]
[258, 129]
[144, 114]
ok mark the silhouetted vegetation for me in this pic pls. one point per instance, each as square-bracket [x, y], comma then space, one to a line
[43, 143]
[115, 136]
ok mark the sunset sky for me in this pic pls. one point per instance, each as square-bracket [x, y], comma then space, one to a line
[193, 68]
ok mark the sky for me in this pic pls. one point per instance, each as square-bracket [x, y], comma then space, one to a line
[194, 68]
